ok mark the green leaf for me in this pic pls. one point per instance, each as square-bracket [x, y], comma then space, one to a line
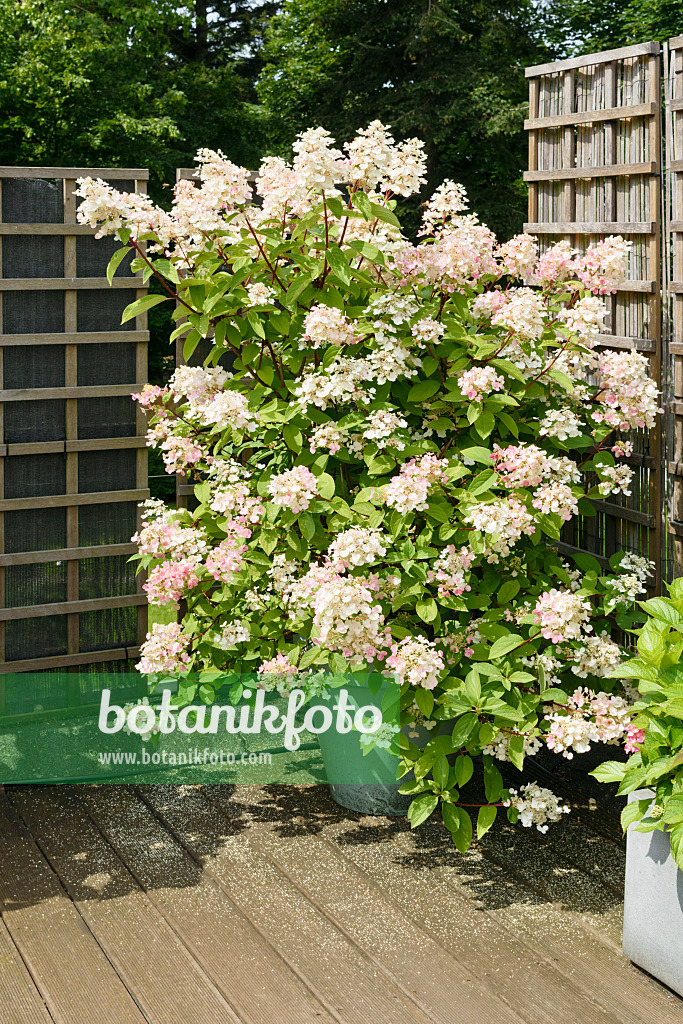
[339, 264]
[307, 524]
[493, 783]
[325, 485]
[633, 812]
[425, 701]
[485, 819]
[485, 423]
[255, 323]
[516, 751]
[463, 729]
[673, 809]
[422, 391]
[141, 306]
[427, 609]
[382, 213]
[477, 454]
[441, 771]
[114, 262]
[362, 203]
[292, 436]
[661, 608]
[462, 837]
[509, 590]
[464, 768]
[504, 645]
[421, 808]
[608, 771]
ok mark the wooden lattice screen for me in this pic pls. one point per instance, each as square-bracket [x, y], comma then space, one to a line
[73, 459]
[594, 170]
[673, 268]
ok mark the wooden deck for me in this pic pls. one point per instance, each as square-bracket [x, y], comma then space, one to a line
[248, 905]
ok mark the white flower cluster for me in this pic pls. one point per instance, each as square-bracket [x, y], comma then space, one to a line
[357, 546]
[340, 382]
[634, 571]
[327, 325]
[451, 569]
[586, 317]
[380, 427]
[596, 656]
[499, 747]
[518, 256]
[209, 402]
[504, 520]
[259, 294]
[560, 423]
[449, 200]
[417, 661]
[294, 489]
[523, 314]
[347, 616]
[408, 491]
[536, 806]
[231, 634]
[375, 159]
[615, 480]
[628, 396]
[427, 330]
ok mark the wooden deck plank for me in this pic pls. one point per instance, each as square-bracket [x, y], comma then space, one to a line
[333, 967]
[576, 942]
[20, 1000]
[69, 968]
[443, 987]
[165, 980]
[248, 972]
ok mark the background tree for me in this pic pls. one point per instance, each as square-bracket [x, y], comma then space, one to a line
[448, 71]
[586, 26]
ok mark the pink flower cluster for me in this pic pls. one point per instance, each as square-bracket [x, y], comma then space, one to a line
[179, 453]
[164, 650]
[227, 558]
[407, 492]
[518, 256]
[589, 718]
[294, 489]
[479, 381]
[170, 581]
[627, 394]
[561, 615]
[603, 266]
[450, 570]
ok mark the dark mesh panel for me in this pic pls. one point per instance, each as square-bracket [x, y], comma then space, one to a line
[202, 352]
[102, 310]
[33, 366]
[106, 417]
[35, 421]
[118, 676]
[93, 255]
[114, 523]
[43, 637]
[35, 584]
[110, 363]
[28, 476]
[107, 471]
[38, 312]
[35, 529]
[44, 692]
[33, 256]
[108, 629]
[105, 577]
[121, 184]
[33, 200]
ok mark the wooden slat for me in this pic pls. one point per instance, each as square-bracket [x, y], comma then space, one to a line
[95, 604]
[30, 284]
[605, 171]
[636, 50]
[160, 974]
[571, 549]
[244, 967]
[80, 338]
[649, 287]
[70, 660]
[95, 444]
[590, 116]
[330, 962]
[593, 227]
[63, 500]
[622, 342]
[75, 172]
[63, 554]
[29, 228]
[50, 934]
[631, 514]
[20, 1000]
[94, 391]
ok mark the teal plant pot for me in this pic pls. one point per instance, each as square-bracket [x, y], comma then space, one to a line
[365, 783]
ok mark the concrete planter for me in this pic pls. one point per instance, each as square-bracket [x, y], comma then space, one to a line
[653, 905]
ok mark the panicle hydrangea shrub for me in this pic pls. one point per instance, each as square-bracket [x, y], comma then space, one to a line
[386, 441]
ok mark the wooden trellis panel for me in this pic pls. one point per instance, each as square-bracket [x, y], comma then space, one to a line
[673, 265]
[73, 462]
[594, 170]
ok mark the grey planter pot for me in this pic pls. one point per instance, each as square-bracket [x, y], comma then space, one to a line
[653, 906]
